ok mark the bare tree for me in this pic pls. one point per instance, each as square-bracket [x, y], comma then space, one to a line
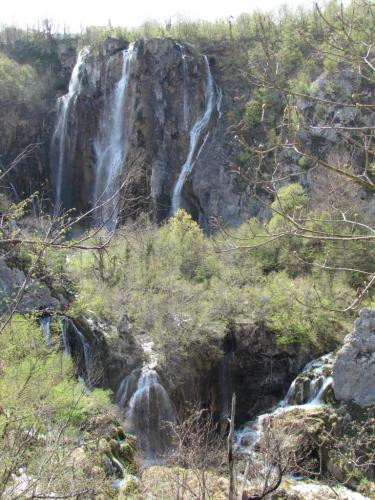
[342, 174]
[198, 453]
[35, 439]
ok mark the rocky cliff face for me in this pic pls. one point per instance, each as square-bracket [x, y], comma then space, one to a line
[165, 122]
[354, 368]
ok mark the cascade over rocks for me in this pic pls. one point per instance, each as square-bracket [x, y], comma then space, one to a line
[354, 368]
[263, 370]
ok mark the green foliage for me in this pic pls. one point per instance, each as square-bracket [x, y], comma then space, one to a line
[18, 82]
[289, 200]
[182, 289]
[37, 384]
[44, 411]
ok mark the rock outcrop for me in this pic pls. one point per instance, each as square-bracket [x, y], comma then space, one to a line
[263, 370]
[36, 296]
[354, 368]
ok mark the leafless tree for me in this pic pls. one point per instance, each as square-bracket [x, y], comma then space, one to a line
[340, 175]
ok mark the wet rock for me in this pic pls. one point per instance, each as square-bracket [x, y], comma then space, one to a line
[354, 368]
[263, 369]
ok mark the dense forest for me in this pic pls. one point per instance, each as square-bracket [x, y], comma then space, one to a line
[186, 240]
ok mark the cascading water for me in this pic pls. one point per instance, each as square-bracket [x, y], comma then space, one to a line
[72, 336]
[45, 324]
[64, 324]
[112, 143]
[308, 389]
[226, 384]
[198, 136]
[186, 94]
[87, 355]
[311, 385]
[60, 134]
[127, 388]
[147, 410]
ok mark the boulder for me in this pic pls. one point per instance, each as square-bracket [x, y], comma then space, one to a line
[354, 367]
[291, 436]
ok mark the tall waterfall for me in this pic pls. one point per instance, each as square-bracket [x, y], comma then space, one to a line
[112, 143]
[186, 94]
[198, 135]
[60, 134]
[147, 411]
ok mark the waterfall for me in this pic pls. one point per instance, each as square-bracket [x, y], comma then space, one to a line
[198, 136]
[75, 342]
[87, 355]
[147, 410]
[186, 94]
[59, 137]
[64, 324]
[127, 387]
[311, 385]
[226, 384]
[308, 389]
[45, 324]
[112, 143]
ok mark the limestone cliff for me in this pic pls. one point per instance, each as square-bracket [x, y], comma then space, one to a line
[354, 368]
[167, 97]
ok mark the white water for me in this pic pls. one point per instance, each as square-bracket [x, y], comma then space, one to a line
[185, 83]
[198, 136]
[112, 144]
[64, 324]
[307, 390]
[127, 388]
[45, 324]
[59, 137]
[68, 328]
[148, 409]
[87, 356]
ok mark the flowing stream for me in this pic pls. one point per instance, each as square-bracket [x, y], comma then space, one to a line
[112, 143]
[308, 389]
[61, 132]
[198, 134]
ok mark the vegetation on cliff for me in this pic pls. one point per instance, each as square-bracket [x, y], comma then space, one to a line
[175, 286]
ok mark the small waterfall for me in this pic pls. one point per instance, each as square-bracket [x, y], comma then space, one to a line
[87, 355]
[75, 342]
[112, 143]
[198, 136]
[308, 389]
[45, 324]
[147, 410]
[226, 385]
[127, 387]
[64, 324]
[311, 385]
[59, 137]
